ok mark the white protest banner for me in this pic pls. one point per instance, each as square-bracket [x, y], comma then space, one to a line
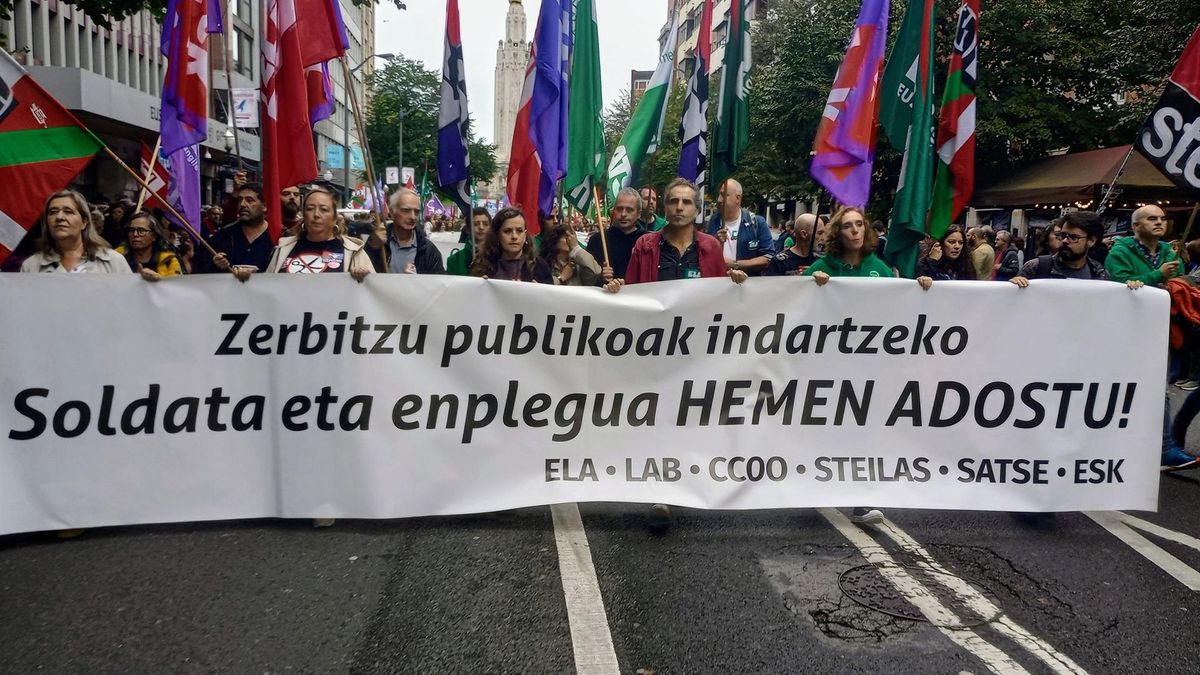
[123, 401]
[245, 108]
[393, 175]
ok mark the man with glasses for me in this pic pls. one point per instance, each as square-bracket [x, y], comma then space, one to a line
[1080, 232]
[409, 250]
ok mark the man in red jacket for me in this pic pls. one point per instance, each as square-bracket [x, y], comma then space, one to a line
[679, 250]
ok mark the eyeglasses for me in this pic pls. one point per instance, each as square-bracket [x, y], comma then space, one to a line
[1067, 236]
[138, 230]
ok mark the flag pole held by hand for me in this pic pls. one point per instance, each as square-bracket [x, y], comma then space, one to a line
[600, 224]
[141, 181]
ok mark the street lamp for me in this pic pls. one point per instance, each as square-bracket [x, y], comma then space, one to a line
[346, 123]
[228, 140]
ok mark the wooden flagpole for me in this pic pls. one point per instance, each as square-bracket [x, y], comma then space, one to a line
[377, 211]
[230, 113]
[141, 181]
[600, 223]
[1191, 221]
[142, 194]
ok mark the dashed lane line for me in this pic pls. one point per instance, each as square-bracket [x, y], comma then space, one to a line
[590, 636]
[1119, 525]
[949, 623]
[980, 604]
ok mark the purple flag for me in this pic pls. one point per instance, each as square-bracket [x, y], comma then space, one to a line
[183, 191]
[321, 102]
[548, 105]
[183, 121]
[845, 142]
[435, 207]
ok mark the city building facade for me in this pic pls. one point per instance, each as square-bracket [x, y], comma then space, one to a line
[111, 78]
[512, 57]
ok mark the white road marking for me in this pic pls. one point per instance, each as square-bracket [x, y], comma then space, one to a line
[590, 637]
[938, 614]
[980, 604]
[1159, 531]
[1118, 524]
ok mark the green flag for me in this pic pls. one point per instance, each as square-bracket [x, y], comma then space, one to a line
[732, 135]
[906, 113]
[585, 152]
[642, 135]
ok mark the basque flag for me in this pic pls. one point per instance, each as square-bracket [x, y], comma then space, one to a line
[453, 158]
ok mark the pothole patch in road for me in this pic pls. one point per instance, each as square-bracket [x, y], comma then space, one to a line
[807, 584]
[868, 586]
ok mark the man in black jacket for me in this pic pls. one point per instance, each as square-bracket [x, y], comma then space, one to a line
[408, 250]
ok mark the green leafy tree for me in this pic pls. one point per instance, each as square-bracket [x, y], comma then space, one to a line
[1054, 75]
[616, 118]
[662, 167]
[406, 87]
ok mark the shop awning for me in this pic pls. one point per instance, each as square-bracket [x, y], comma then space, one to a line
[1075, 177]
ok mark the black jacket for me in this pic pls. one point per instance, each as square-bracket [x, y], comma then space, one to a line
[428, 259]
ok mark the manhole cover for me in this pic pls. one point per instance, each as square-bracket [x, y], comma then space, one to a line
[870, 586]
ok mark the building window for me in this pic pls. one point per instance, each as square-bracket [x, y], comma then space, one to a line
[243, 53]
[243, 10]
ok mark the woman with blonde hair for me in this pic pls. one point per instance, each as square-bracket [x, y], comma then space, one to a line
[70, 242]
[319, 248]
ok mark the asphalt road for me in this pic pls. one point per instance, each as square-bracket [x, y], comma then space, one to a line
[765, 591]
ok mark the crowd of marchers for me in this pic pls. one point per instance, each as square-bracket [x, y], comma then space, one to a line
[637, 244]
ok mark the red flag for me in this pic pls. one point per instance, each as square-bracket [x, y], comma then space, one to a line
[289, 156]
[157, 180]
[525, 167]
[320, 30]
[1171, 137]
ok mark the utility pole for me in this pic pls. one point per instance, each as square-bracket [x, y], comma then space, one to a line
[400, 144]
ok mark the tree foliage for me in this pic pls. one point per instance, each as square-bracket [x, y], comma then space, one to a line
[1054, 75]
[405, 86]
[616, 118]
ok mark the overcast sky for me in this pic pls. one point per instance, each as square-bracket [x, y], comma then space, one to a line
[628, 41]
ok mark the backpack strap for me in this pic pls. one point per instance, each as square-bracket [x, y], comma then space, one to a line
[1045, 264]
